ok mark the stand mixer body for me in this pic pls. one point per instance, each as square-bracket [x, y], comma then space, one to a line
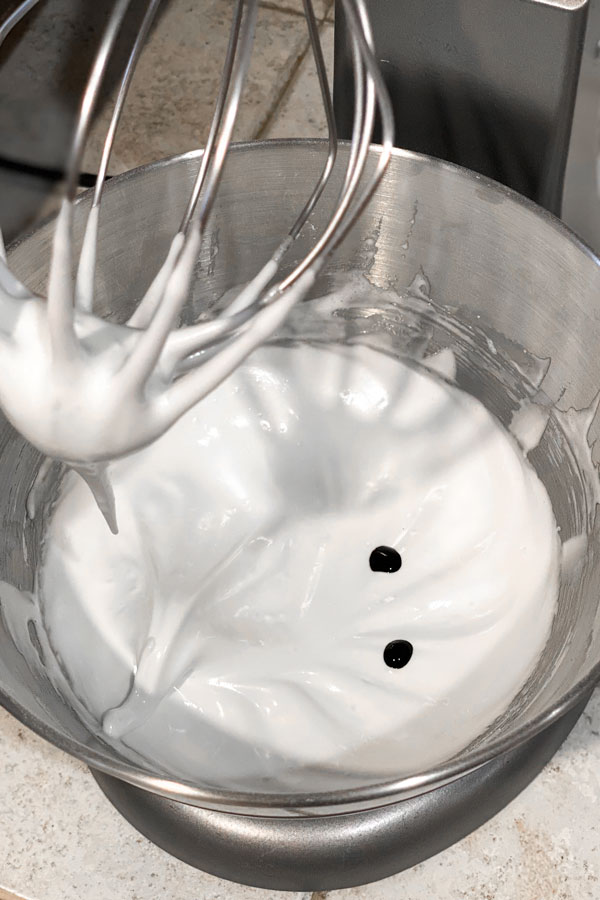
[506, 88]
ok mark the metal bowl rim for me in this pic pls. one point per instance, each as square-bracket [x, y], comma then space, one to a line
[377, 794]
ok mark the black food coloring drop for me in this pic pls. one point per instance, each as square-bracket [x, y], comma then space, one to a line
[385, 559]
[397, 654]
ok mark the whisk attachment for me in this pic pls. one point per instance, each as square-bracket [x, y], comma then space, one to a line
[91, 390]
[12, 14]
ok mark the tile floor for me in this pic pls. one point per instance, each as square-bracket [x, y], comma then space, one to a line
[171, 99]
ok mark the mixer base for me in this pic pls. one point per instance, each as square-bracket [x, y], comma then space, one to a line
[338, 851]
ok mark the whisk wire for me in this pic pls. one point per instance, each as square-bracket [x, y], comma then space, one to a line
[124, 86]
[13, 16]
[240, 70]
[218, 113]
[356, 164]
[86, 270]
[252, 298]
[91, 94]
[325, 91]
[169, 302]
[356, 13]
[157, 371]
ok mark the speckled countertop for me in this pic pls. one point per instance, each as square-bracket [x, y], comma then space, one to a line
[60, 839]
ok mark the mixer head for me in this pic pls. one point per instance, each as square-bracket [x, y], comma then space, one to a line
[91, 390]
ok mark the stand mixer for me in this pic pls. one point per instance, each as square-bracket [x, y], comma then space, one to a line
[334, 839]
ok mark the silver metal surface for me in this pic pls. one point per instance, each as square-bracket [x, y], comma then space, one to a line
[487, 84]
[317, 853]
[12, 14]
[581, 197]
[493, 259]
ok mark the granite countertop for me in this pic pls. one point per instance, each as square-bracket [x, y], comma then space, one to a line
[60, 839]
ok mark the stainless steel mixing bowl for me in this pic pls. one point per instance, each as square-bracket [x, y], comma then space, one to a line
[479, 268]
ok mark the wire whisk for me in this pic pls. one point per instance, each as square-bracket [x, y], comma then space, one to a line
[90, 390]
